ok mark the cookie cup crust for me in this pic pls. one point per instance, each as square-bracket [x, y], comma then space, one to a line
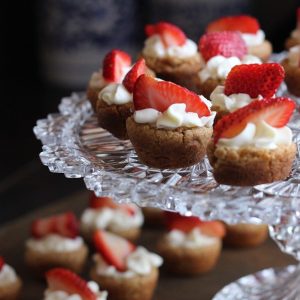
[113, 117]
[292, 77]
[291, 42]
[249, 166]
[245, 235]
[207, 87]
[11, 291]
[93, 91]
[189, 261]
[262, 51]
[138, 287]
[164, 148]
[40, 262]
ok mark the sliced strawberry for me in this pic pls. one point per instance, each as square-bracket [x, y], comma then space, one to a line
[114, 249]
[254, 79]
[274, 111]
[170, 34]
[2, 262]
[149, 92]
[213, 228]
[225, 43]
[114, 65]
[63, 224]
[60, 279]
[242, 23]
[136, 71]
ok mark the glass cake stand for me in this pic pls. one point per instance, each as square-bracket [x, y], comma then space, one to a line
[74, 145]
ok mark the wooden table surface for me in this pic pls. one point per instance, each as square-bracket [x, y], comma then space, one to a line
[232, 264]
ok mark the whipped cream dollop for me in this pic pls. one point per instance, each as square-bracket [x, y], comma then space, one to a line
[154, 47]
[175, 116]
[55, 243]
[254, 39]
[139, 262]
[259, 135]
[229, 103]
[62, 295]
[111, 219]
[7, 275]
[193, 239]
[219, 66]
[115, 93]
[294, 56]
[296, 34]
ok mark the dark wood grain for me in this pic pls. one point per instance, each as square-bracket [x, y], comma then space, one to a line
[232, 264]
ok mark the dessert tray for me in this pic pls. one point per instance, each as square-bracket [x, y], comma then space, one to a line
[74, 145]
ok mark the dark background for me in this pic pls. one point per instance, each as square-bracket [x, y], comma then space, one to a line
[26, 97]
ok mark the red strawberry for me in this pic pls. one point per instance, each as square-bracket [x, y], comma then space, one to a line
[138, 69]
[170, 34]
[242, 23]
[2, 262]
[63, 224]
[114, 249]
[213, 228]
[225, 43]
[102, 202]
[274, 111]
[60, 279]
[149, 92]
[254, 79]
[113, 65]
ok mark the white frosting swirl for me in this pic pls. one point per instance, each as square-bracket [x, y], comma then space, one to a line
[154, 47]
[139, 262]
[111, 219]
[62, 295]
[7, 275]
[296, 34]
[229, 103]
[193, 239]
[115, 93]
[219, 66]
[259, 135]
[254, 39]
[294, 56]
[175, 116]
[54, 243]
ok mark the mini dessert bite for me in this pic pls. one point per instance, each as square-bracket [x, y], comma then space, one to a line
[294, 38]
[154, 216]
[253, 145]
[291, 66]
[191, 246]
[221, 51]
[126, 271]
[124, 220]
[170, 54]
[10, 283]
[114, 103]
[66, 285]
[262, 81]
[250, 31]
[171, 125]
[55, 242]
[245, 235]
[116, 64]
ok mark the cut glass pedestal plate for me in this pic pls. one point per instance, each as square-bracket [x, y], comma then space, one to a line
[73, 144]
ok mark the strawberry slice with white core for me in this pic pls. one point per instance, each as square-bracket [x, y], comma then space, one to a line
[170, 34]
[2, 262]
[114, 249]
[60, 279]
[114, 65]
[135, 72]
[274, 111]
[149, 92]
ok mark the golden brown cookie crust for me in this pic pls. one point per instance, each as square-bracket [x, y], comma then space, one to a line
[154, 217]
[138, 287]
[263, 50]
[292, 77]
[11, 291]
[113, 117]
[94, 89]
[163, 148]
[291, 42]
[189, 261]
[249, 166]
[207, 87]
[245, 235]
